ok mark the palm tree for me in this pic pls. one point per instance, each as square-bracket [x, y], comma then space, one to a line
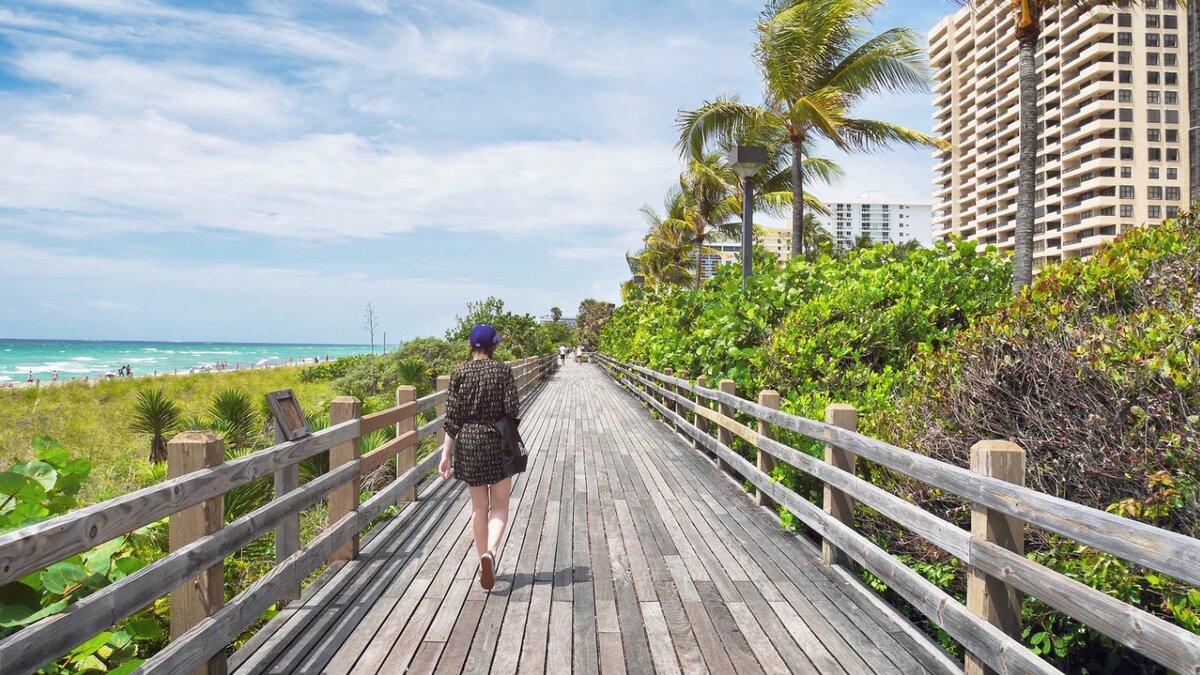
[1027, 31]
[817, 63]
[666, 260]
[157, 415]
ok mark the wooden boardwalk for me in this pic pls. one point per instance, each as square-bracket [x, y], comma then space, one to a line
[627, 552]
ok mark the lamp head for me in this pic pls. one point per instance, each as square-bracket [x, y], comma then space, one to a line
[746, 160]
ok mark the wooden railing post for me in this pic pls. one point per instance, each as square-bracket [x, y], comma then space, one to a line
[667, 402]
[987, 597]
[837, 503]
[766, 463]
[287, 533]
[204, 594]
[407, 458]
[701, 381]
[725, 436]
[681, 409]
[344, 498]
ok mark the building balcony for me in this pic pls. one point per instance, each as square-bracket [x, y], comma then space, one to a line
[1091, 72]
[1100, 128]
[1074, 211]
[1092, 107]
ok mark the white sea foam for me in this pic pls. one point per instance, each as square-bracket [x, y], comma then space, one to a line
[82, 358]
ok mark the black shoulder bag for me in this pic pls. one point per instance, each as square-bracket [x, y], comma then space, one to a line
[512, 449]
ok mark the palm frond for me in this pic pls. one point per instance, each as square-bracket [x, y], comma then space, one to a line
[722, 123]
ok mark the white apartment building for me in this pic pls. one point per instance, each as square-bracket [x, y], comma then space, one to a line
[883, 220]
[729, 250]
[1112, 100]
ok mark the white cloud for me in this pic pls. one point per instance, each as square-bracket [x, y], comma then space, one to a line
[148, 174]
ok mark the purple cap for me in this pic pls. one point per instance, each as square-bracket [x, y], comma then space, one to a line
[483, 335]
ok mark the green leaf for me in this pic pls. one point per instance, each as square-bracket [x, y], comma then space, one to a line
[47, 450]
[90, 647]
[37, 470]
[143, 629]
[59, 577]
[127, 667]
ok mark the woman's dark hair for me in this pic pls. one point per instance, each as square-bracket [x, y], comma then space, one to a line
[486, 350]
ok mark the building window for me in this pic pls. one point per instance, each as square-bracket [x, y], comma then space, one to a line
[1170, 22]
[1154, 173]
[1125, 96]
[1172, 135]
[1125, 58]
[1127, 153]
[1152, 77]
[1172, 173]
[1125, 20]
[1170, 59]
[1127, 210]
[1154, 192]
[1126, 192]
[1170, 41]
[1125, 76]
[1124, 38]
[1151, 21]
[1125, 134]
[1151, 39]
[1172, 211]
[1155, 154]
[1126, 114]
[1172, 117]
[1172, 78]
[1172, 155]
[1172, 98]
[1155, 212]
[1152, 96]
[1173, 194]
[1170, 5]
[1154, 116]
[1126, 172]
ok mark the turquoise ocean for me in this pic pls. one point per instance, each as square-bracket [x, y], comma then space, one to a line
[96, 358]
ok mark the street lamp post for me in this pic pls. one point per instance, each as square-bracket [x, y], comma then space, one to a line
[746, 160]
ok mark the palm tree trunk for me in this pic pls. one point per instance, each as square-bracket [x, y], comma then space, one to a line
[797, 197]
[699, 259]
[1027, 162]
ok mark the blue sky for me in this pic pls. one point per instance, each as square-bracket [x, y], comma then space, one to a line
[262, 170]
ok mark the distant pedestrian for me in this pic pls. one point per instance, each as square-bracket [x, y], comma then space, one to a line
[30, 377]
[482, 393]
[562, 354]
[54, 376]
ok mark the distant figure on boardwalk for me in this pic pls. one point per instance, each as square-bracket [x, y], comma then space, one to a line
[481, 392]
[562, 354]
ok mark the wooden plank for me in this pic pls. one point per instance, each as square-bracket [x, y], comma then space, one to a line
[379, 456]
[508, 646]
[662, 649]
[386, 418]
[38, 546]
[838, 504]
[344, 499]
[558, 650]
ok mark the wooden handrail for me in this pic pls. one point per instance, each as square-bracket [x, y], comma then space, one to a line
[38, 546]
[1160, 640]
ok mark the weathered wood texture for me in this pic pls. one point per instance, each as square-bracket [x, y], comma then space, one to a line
[344, 498]
[626, 552]
[197, 598]
[989, 597]
[407, 457]
[838, 504]
[287, 533]
[1166, 643]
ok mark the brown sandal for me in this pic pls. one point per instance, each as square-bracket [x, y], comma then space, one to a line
[487, 576]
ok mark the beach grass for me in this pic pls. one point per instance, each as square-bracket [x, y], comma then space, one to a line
[94, 421]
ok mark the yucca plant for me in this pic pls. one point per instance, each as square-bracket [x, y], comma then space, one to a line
[158, 415]
[414, 372]
[234, 415]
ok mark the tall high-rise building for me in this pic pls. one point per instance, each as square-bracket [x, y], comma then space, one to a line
[880, 218]
[1112, 103]
[1194, 93]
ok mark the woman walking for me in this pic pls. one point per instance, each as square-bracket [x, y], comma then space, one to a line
[481, 392]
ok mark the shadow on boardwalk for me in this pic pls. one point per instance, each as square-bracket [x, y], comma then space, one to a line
[627, 552]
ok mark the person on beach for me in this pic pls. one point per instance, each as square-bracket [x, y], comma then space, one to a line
[30, 380]
[54, 376]
[481, 391]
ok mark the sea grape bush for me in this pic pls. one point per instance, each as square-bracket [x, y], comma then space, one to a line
[45, 487]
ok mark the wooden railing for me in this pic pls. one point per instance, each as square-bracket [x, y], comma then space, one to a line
[997, 570]
[202, 624]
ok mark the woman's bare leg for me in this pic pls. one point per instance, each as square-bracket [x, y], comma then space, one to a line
[498, 513]
[479, 517]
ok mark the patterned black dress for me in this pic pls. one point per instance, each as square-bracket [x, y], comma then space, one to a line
[481, 392]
